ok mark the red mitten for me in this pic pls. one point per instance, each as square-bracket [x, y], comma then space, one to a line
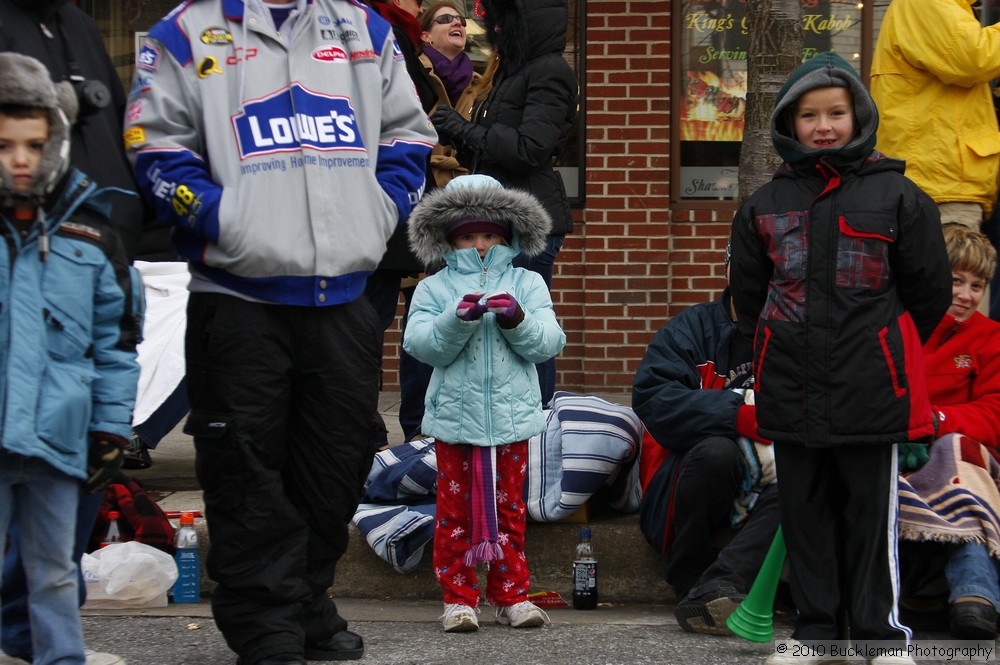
[746, 423]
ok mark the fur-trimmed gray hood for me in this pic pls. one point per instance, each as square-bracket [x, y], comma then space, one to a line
[473, 197]
[24, 81]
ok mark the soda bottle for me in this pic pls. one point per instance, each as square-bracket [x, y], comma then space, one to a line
[113, 535]
[187, 588]
[584, 574]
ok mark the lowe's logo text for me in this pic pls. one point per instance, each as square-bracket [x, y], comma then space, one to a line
[295, 118]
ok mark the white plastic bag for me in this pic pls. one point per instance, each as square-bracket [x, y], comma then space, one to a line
[129, 574]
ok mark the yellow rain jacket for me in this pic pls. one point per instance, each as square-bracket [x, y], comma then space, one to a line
[930, 79]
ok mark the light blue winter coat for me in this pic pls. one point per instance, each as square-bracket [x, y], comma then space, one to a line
[69, 325]
[484, 388]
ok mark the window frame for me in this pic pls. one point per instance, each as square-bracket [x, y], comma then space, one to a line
[678, 75]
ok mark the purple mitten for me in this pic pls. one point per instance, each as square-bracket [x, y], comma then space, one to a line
[508, 310]
[469, 307]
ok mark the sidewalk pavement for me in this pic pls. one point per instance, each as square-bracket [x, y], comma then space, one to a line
[398, 615]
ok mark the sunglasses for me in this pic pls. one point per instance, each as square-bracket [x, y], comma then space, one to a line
[446, 19]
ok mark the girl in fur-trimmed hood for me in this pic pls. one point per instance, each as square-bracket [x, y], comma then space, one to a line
[476, 197]
[482, 324]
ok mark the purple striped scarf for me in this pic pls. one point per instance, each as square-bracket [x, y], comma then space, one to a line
[483, 504]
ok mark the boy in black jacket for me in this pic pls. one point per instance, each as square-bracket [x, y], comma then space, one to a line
[840, 272]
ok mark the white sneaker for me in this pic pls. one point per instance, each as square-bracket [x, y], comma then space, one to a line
[457, 618]
[892, 660]
[522, 615]
[790, 652]
[94, 658]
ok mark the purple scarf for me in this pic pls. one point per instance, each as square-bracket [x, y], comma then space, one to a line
[483, 504]
[455, 74]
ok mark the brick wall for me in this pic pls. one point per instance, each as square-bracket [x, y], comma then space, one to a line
[633, 261]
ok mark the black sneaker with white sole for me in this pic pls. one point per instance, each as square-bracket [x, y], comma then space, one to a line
[707, 613]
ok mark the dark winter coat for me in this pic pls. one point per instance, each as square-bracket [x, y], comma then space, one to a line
[839, 272]
[685, 391]
[530, 109]
[97, 147]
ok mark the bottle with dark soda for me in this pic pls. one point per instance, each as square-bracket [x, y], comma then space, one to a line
[584, 574]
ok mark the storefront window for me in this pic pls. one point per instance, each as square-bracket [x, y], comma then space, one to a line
[712, 67]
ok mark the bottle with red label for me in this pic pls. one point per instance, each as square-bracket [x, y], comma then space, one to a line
[113, 535]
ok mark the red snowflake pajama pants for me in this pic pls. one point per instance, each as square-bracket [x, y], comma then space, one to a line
[508, 579]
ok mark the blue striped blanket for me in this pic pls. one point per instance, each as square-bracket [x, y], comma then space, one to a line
[953, 498]
[589, 445]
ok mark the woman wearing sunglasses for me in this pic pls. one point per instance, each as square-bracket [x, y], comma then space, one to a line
[450, 67]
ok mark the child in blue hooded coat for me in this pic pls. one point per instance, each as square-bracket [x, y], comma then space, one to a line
[70, 319]
[483, 325]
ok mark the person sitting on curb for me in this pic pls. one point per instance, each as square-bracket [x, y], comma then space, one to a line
[962, 360]
[689, 393]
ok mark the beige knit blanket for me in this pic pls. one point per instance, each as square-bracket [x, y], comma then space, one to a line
[953, 498]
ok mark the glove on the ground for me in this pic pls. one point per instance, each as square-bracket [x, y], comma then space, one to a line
[508, 310]
[469, 307]
[104, 460]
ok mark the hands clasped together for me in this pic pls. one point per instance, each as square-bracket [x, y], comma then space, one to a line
[505, 306]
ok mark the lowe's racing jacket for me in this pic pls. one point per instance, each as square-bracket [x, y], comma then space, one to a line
[285, 159]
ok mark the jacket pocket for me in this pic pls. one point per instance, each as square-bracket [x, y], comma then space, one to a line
[220, 465]
[64, 406]
[863, 250]
[65, 338]
[894, 374]
[758, 371]
[986, 145]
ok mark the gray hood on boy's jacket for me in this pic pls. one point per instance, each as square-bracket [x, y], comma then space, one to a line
[24, 81]
[825, 70]
[461, 199]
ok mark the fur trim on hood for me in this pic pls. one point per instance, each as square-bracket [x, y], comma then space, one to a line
[24, 81]
[476, 197]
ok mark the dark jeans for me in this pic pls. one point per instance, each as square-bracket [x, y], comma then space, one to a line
[15, 638]
[707, 484]
[544, 265]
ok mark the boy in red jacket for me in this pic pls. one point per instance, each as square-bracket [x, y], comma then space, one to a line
[963, 379]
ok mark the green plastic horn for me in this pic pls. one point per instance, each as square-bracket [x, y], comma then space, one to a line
[754, 619]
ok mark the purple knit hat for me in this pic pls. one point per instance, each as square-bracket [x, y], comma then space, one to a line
[465, 226]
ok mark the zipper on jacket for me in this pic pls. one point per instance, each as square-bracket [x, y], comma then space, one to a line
[487, 373]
